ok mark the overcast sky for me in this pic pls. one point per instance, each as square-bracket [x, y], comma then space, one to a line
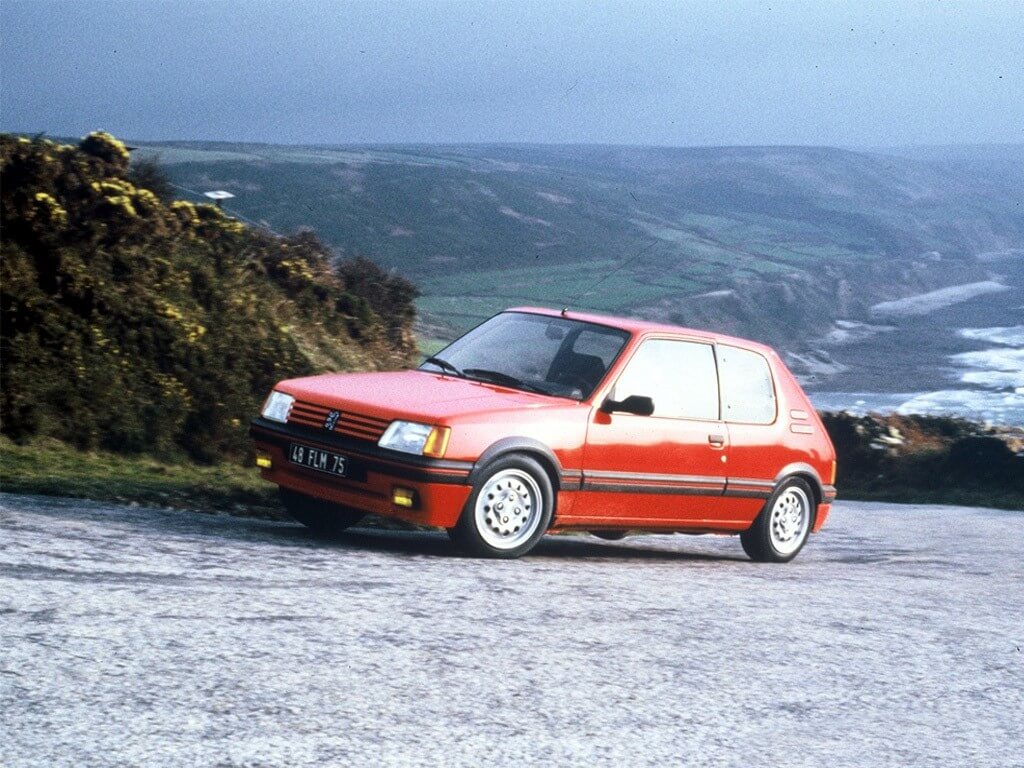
[671, 73]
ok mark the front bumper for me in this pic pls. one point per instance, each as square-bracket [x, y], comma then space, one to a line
[440, 487]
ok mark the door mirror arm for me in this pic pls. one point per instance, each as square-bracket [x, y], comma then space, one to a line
[638, 405]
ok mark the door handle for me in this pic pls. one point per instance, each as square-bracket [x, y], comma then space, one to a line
[716, 440]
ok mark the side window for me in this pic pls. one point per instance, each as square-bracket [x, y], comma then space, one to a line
[747, 391]
[678, 375]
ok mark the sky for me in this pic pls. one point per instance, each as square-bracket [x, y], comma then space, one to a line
[682, 73]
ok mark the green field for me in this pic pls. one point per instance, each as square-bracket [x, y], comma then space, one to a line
[464, 300]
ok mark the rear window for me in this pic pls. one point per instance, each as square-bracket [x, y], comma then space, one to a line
[747, 392]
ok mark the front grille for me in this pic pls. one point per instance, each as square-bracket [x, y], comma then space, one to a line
[350, 424]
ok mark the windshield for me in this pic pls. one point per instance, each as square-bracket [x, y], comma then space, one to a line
[537, 353]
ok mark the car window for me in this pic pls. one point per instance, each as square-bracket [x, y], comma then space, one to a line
[553, 355]
[678, 375]
[600, 344]
[534, 340]
[747, 392]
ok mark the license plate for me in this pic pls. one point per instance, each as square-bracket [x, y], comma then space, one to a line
[314, 458]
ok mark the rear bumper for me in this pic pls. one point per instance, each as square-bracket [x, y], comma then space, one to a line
[441, 487]
[820, 516]
[828, 495]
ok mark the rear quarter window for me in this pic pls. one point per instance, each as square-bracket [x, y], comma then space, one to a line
[748, 393]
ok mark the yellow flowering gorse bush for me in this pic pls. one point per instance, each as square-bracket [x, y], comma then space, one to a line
[138, 323]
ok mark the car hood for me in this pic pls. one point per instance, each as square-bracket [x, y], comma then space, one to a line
[417, 395]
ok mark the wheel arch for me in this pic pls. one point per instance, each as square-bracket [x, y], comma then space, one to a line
[809, 475]
[526, 446]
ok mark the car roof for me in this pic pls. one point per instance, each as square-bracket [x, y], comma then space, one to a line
[643, 326]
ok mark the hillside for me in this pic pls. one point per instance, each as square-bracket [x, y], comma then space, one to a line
[811, 249]
[770, 242]
[135, 323]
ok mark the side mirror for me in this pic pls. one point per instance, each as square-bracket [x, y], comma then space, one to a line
[638, 405]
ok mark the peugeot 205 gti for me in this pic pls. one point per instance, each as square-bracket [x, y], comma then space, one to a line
[540, 420]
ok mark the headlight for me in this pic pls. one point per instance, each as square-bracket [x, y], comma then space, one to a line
[278, 406]
[420, 439]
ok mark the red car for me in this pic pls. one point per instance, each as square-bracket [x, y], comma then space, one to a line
[540, 420]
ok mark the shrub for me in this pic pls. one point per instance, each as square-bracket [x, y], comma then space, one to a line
[908, 456]
[140, 325]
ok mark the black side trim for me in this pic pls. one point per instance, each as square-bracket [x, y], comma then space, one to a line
[370, 456]
[676, 485]
[743, 493]
[749, 488]
[572, 480]
[752, 482]
[657, 490]
[657, 484]
[655, 478]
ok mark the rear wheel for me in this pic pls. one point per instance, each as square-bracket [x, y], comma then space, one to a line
[782, 528]
[508, 511]
[319, 515]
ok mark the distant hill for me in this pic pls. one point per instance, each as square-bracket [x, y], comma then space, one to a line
[139, 323]
[770, 242]
[997, 165]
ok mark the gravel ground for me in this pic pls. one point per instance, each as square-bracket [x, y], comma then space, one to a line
[157, 638]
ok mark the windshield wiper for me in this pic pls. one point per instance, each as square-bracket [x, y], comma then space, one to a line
[505, 379]
[444, 365]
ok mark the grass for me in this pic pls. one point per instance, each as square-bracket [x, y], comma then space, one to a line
[459, 302]
[52, 468]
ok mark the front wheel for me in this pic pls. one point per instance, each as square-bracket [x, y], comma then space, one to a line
[508, 511]
[319, 515]
[782, 528]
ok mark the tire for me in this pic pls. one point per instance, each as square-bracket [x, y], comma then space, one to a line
[781, 529]
[319, 515]
[609, 535]
[489, 528]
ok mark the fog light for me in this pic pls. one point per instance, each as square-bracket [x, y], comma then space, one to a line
[404, 497]
[263, 461]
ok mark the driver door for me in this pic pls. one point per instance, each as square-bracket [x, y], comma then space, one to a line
[669, 467]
